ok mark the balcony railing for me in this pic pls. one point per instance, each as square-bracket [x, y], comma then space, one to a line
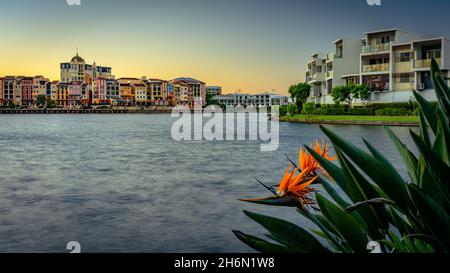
[331, 56]
[329, 74]
[376, 68]
[426, 63]
[376, 48]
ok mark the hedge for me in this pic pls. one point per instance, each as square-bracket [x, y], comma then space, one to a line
[393, 112]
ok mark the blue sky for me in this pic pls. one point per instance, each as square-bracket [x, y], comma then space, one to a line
[252, 45]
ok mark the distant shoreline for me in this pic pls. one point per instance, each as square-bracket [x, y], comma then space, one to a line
[79, 111]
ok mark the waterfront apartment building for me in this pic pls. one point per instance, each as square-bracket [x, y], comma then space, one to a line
[1, 91]
[181, 92]
[213, 90]
[128, 89]
[8, 89]
[84, 84]
[26, 85]
[157, 91]
[99, 91]
[54, 86]
[77, 70]
[196, 91]
[140, 93]
[62, 94]
[112, 90]
[40, 86]
[391, 62]
[263, 99]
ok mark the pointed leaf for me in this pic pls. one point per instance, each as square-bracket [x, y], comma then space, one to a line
[435, 218]
[285, 201]
[260, 244]
[388, 179]
[345, 224]
[290, 234]
[428, 111]
[408, 157]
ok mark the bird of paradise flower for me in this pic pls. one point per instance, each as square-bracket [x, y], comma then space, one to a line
[297, 185]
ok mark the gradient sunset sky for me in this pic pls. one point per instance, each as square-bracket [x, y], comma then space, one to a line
[251, 45]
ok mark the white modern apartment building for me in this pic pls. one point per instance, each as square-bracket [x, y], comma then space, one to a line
[391, 62]
[264, 99]
[333, 69]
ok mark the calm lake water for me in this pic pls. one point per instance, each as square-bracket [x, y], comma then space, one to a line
[119, 183]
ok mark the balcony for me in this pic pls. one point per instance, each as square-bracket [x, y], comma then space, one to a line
[331, 57]
[330, 74]
[318, 77]
[403, 86]
[376, 68]
[426, 63]
[376, 48]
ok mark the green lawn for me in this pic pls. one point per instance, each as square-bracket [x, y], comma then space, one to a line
[349, 119]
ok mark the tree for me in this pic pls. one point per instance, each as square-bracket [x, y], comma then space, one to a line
[360, 91]
[44, 101]
[342, 94]
[50, 103]
[41, 100]
[300, 93]
[211, 101]
[349, 93]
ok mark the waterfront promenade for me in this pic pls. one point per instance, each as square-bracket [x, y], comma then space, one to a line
[85, 111]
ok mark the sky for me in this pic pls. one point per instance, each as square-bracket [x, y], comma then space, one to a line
[242, 45]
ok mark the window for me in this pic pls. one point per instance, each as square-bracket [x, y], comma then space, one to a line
[385, 39]
[403, 57]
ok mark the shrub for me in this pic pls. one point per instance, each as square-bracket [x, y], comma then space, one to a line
[329, 112]
[283, 111]
[360, 112]
[308, 108]
[392, 112]
[333, 106]
[292, 109]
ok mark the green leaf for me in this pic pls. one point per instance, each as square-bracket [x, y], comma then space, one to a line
[408, 157]
[375, 201]
[291, 235]
[260, 244]
[427, 110]
[440, 146]
[331, 234]
[375, 217]
[435, 166]
[441, 89]
[387, 178]
[277, 201]
[345, 224]
[424, 129]
[400, 223]
[332, 192]
[435, 218]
